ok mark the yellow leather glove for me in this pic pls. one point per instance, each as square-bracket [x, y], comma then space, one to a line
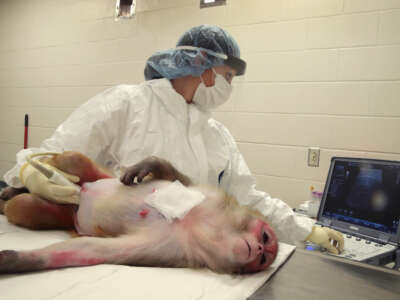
[328, 238]
[39, 184]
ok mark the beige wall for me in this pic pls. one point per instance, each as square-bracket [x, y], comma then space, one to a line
[322, 73]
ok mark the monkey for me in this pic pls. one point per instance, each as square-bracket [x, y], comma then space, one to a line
[117, 226]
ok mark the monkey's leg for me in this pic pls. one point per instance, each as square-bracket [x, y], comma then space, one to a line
[77, 164]
[83, 251]
[31, 211]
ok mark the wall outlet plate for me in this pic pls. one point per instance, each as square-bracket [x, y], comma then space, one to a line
[313, 157]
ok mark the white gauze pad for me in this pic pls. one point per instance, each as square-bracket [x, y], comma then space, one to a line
[174, 201]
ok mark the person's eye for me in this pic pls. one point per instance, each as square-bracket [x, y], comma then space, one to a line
[265, 238]
[263, 259]
[228, 76]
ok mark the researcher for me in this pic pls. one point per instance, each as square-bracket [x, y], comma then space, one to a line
[169, 116]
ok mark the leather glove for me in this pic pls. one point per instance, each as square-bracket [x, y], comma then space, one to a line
[328, 238]
[39, 184]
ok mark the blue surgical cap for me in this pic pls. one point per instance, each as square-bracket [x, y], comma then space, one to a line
[200, 48]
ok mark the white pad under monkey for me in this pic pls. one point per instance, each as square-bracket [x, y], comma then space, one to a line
[121, 282]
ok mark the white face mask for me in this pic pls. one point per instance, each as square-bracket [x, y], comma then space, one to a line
[210, 97]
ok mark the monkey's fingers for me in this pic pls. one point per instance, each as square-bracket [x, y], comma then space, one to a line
[142, 174]
[122, 178]
[125, 180]
[10, 192]
[5, 194]
[129, 176]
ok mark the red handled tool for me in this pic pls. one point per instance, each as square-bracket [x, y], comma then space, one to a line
[26, 131]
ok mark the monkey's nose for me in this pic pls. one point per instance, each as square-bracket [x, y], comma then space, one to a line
[260, 248]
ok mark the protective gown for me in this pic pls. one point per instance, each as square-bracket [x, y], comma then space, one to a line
[127, 123]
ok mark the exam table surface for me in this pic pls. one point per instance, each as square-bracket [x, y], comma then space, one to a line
[308, 276]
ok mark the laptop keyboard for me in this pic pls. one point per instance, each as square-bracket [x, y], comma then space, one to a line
[359, 249]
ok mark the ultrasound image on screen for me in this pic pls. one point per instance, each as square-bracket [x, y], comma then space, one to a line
[365, 194]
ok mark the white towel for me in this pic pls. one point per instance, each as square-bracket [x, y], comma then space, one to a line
[175, 200]
[105, 282]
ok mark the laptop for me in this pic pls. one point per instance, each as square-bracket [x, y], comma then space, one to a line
[361, 199]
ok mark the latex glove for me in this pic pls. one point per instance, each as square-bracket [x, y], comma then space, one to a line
[40, 185]
[328, 238]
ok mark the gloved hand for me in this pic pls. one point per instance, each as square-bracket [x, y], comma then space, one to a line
[328, 238]
[40, 185]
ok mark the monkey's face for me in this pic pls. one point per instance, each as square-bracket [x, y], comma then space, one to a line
[257, 248]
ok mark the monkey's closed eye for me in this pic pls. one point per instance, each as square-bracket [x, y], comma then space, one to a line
[265, 238]
[248, 246]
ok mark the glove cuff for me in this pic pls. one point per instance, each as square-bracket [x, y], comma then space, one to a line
[21, 171]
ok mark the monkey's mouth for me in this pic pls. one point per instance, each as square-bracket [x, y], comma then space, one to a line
[248, 246]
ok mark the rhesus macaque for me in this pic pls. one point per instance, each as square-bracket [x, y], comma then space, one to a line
[118, 227]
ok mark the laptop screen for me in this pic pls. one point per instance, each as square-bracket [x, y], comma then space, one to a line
[364, 193]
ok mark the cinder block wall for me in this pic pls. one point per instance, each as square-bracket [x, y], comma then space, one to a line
[320, 73]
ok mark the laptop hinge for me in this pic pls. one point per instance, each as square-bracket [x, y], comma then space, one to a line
[326, 222]
[384, 238]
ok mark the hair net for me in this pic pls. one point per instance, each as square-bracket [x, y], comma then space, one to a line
[199, 49]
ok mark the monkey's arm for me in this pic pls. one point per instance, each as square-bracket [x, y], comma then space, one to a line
[159, 168]
[136, 249]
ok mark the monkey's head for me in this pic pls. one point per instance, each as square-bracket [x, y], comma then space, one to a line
[255, 244]
[239, 240]
[250, 248]
[258, 248]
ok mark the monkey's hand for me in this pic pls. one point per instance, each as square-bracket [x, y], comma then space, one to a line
[157, 167]
[328, 238]
[40, 185]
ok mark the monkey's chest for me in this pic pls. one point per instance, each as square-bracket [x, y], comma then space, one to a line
[108, 208]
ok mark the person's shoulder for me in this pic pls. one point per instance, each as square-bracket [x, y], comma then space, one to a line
[216, 125]
[124, 97]
[123, 91]
[119, 95]
[141, 91]
[114, 92]
[110, 99]
[220, 129]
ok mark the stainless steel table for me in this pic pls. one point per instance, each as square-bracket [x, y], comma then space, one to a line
[317, 276]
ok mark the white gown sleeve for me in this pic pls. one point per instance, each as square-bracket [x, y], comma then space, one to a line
[90, 129]
[239, 182]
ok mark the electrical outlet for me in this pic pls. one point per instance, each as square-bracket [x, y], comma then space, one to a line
[313, 156]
